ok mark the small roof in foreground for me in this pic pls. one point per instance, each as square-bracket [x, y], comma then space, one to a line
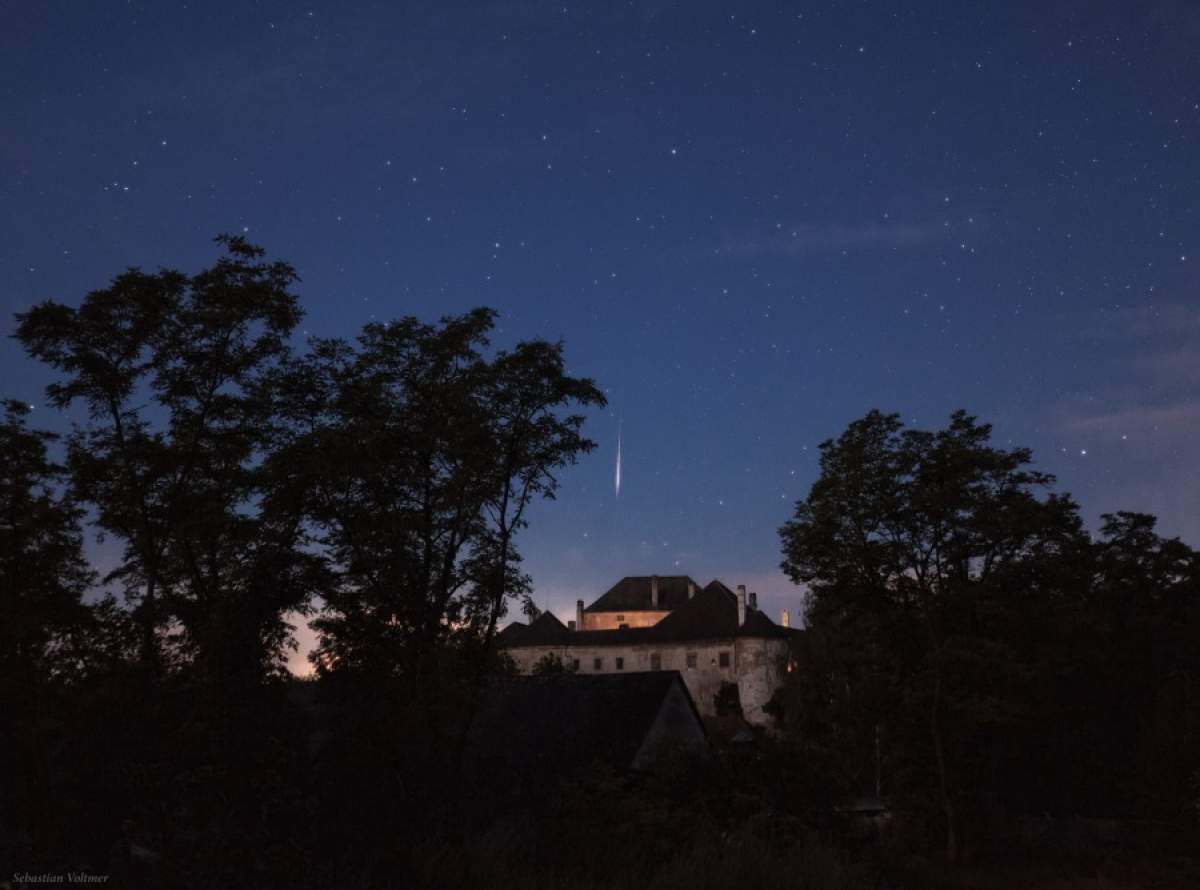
[533, 728]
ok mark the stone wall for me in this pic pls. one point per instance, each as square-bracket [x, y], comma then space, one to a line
[761, 665]
[755, 665]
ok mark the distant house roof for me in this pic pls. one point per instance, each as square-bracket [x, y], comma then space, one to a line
[531, 729]
[632, 594]
[710, 614]
[511, 632]
[546, 629]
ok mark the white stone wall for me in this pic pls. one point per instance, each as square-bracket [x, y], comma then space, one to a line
[761, 664]
[755, 665]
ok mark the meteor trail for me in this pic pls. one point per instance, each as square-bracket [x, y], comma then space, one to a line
[618, 459]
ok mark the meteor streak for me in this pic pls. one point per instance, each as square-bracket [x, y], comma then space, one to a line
[618, 459]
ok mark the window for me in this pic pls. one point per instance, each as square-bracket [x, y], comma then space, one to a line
[656, 662]
[691, 661]
[574, 664]
[620, 618]
[620, 663]
[597, 664]
[723, 659]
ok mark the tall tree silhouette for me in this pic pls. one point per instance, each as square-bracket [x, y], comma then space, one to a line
[43, 577]
[422, 455]
[1146, 602]
[419, 451]
[170, 368]
[920, 539]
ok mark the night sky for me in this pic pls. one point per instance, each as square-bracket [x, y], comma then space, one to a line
[750, 223]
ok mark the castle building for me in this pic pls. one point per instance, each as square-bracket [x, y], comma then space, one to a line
[712, 636]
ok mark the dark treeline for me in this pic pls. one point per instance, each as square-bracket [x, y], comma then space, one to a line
[973, 657]
[981, 662]
[383, 481]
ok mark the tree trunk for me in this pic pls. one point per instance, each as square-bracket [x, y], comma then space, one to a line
[935, 731]
[878, 768]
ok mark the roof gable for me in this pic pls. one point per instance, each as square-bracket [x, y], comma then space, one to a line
[714, 584]
[546, 628]
[512, 632]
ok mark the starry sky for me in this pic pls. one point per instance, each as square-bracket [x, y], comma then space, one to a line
[750, 223]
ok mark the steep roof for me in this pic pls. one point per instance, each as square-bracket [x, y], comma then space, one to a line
[544, 630]
[531, 729]
[710, 613]
[714, 584]
[511, 632]
[632, 594]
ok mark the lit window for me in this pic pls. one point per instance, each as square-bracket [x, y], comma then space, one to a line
[691, 661]
[597, 664]
[656, 662]
[620, 663]
[723, 659]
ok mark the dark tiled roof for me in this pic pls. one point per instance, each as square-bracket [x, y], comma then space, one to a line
[714, 584]
[544, 629]
[632, 594]
[511, 632]
[531, 729]
[710, 614]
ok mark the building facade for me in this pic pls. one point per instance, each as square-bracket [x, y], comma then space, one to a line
[712, 636]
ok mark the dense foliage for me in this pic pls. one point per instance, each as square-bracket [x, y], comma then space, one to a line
[973, 655]
[381, 485]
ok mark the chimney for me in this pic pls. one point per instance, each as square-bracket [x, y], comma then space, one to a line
[753, 600]
[654, 591]
[579, 614]
[691, 588]
[785, 619]
[741, 598]
[570, 625]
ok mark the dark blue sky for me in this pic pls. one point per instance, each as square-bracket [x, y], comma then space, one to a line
[750, 223]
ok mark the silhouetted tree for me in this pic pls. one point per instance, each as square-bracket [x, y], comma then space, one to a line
[915, 545]
[423, 456]
[43, 577]
[419, 454]
[391, 477]
[174, 371]
[170, 368]
[1147, 602]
